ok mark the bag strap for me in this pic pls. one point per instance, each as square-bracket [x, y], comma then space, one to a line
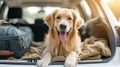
[16, 22]
[6, 52]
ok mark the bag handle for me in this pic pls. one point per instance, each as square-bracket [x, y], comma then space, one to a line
[3, 22]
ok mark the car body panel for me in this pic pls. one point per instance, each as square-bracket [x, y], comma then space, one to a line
[115, 62]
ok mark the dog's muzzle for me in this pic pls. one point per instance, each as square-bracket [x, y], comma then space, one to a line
[62, 32]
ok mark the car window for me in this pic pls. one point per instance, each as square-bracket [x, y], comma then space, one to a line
[115, 7]
[32, 13]
[1, 3]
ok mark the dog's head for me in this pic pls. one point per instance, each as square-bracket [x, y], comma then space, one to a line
[64, 20]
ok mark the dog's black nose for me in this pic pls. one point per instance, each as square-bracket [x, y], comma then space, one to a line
[62, 26]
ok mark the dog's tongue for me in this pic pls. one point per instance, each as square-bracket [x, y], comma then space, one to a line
[62, 36]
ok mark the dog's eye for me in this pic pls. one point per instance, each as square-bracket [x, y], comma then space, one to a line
[58, 17]
[69, 18]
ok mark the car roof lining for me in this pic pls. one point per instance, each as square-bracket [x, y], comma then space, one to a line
[22, 3]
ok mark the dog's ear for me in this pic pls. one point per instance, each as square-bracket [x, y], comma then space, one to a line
[77, 21]
[49, 19]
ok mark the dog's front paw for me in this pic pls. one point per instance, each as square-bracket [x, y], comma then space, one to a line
[70, 63]
[71, 60]
[42, 63]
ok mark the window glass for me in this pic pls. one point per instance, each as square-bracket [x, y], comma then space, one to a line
[32, 13]
[1, 3]
[115, 7]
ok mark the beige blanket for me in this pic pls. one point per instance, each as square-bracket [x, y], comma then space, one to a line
[93, 48]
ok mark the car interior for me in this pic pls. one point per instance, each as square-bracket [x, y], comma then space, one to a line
[96, 22]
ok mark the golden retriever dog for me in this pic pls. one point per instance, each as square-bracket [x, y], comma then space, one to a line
[62, 38]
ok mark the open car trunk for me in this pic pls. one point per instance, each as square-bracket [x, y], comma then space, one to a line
[98, 25]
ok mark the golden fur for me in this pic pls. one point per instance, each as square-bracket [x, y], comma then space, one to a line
[70, 48]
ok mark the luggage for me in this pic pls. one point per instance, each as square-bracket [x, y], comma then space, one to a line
[14, 41]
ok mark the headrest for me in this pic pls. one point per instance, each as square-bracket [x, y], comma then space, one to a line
[15, 12]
